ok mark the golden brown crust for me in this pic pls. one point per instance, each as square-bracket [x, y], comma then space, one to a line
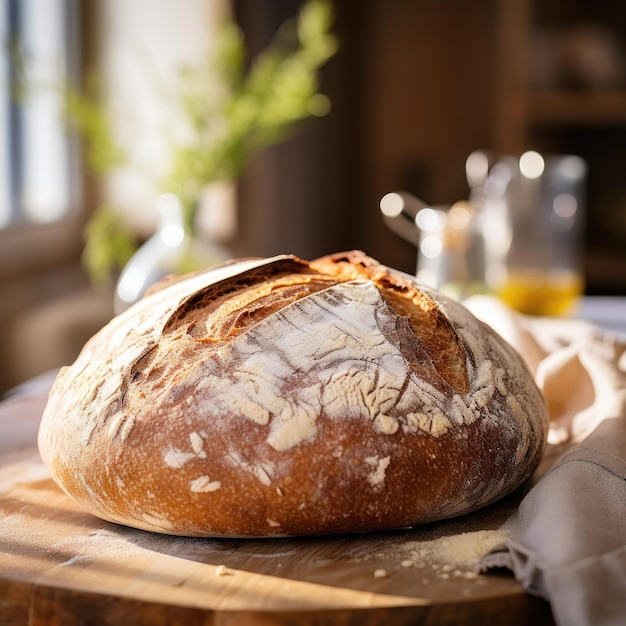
[285, 397]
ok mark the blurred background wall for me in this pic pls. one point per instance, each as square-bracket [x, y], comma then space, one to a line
[415, 87]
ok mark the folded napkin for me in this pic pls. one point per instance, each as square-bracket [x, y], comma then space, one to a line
[567, 540]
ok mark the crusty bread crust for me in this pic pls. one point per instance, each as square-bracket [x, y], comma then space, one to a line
[277, 397]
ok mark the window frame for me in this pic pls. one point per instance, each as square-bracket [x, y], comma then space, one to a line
[28, 246]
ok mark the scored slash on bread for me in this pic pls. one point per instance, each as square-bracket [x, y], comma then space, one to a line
[278, 397]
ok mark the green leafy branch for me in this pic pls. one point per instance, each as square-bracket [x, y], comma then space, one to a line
[250, 109]
[86, 114]
[109, 244]
[231, 109]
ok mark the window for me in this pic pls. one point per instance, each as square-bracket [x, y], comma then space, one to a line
[37, 157]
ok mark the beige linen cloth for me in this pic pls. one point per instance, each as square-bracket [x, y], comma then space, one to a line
[567, 540]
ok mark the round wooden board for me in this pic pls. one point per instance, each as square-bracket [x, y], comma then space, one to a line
[60, 565]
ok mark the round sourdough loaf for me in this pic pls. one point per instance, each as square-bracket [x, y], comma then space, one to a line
[274, 397]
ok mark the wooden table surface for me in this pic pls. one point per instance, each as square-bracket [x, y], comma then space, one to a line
[60, 565]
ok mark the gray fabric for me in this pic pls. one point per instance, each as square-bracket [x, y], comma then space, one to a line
[567, 539]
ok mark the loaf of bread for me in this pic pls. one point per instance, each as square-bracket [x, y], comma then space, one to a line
[280, 397]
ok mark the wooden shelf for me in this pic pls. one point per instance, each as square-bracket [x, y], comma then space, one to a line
[565, 108]
[605, 272]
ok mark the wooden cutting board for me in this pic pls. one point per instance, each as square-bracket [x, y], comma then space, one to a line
[60, 565]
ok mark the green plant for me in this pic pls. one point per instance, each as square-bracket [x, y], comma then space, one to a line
[232, 108]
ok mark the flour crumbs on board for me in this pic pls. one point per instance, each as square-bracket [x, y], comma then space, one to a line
[448, 556]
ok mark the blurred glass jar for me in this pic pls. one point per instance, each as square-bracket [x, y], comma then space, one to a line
[451, 250]
[533, 223]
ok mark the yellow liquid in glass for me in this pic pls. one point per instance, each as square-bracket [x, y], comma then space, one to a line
[535, 292]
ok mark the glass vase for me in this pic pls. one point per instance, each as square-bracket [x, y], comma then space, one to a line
[171, 250]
